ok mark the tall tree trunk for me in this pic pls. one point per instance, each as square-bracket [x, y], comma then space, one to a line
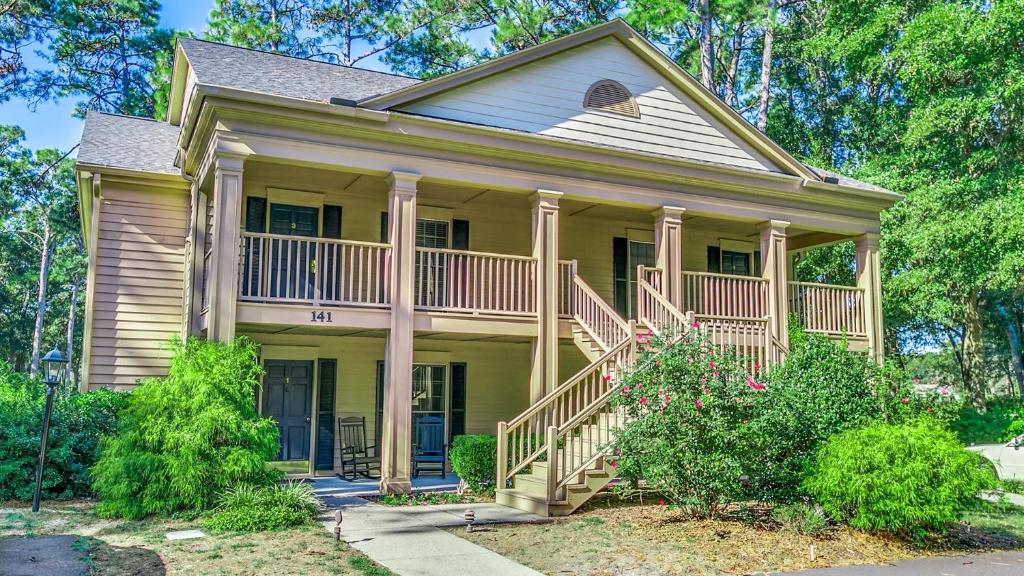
[734, 65]
[1013, 336]
[72, 373]
[707, 62]
[975, 379]
[764, 90]
[44, 274]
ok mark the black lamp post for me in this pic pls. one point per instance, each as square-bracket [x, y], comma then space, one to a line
[55, 370]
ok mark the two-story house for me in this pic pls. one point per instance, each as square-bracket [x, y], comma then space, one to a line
[480, 247]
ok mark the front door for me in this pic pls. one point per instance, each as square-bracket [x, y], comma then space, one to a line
[292, 266]
[428, 391]
[288, 399]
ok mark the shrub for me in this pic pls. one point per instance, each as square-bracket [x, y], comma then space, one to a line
[186, 438]
[248, 508]
[996, 423]
[686, 408]
[896, 477]
[474, 459]
[78, 421]
[801, 517]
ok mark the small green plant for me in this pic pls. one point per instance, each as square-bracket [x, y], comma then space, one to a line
[366, 567]
[1001, 420]
[186, 438]
[474, 459]
[897, 477]
[800, 517]
[424, 498]
[247, 508]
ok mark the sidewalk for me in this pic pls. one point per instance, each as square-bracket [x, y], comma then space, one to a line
[409, 541]
[994, 564]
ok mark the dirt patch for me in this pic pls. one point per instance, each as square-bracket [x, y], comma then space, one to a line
[611, 537]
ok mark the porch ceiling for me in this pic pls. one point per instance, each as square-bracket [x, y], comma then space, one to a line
[252, 328]
[462, 337]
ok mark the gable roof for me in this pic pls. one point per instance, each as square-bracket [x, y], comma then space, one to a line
[216, 64]
[641, 47]
[128, 143]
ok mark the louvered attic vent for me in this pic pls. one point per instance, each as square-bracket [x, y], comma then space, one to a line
[610, 96]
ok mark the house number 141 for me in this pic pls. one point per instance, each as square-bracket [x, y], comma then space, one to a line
[321, 316]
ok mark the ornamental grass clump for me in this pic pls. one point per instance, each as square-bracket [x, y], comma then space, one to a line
[687, 405]
[897, 477]
[248, 508]
[186, 438]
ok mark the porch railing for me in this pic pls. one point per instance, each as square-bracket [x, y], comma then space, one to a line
[595, 316]
[706, 293]
[566, 272]
[318, 271]
[457, 280]
[828, 309]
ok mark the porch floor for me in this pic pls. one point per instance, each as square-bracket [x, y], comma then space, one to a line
[332, 486]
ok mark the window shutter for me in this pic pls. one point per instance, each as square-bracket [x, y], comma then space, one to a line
[457, 402]
[460, 234]
[332, 222]
[383, 227]
[714, 259]
[620, 274]
[379, 412]
[757, 263]
[325, 415]
[255, 214]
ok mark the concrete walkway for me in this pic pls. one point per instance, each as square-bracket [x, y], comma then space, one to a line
[409, 541]
[994, 564]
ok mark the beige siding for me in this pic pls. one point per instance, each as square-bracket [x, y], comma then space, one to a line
[546, 97]
[139, 282]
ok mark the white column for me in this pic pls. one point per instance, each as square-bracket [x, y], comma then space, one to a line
[396, 436]
[544, 377]
[773, 268]
[668, 249]
[869, 277]
[196, 261]
[222, 277]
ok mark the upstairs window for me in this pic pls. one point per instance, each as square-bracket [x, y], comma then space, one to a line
[610, 96]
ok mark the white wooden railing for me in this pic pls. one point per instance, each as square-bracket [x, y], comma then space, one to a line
[461, 281]
[828, 309]
[595, 316]
[318, 271]
[566, 272]
[711, 294]
[653, 310]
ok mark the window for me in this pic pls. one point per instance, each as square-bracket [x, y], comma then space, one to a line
[610, 96]
[626, 256]
[737, 263]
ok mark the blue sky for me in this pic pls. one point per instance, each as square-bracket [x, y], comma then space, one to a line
[51, 124]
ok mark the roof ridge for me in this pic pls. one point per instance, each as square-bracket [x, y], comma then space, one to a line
[119, 115]
[301, 59]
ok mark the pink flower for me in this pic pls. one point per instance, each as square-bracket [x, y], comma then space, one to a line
[715, 373]
[698, 404]
[607, 377]
[625, 389]
[667, 399]
[661, 502]
[696, 324]
[614, 463]
[711, 365]
[661, 391]
[917, 380]
[650, 332]
[754, 385]
[905, 400]
[617, 452]
[657, 362]
[643, 400]
[757, 365]
[706, 390]
[638, 385]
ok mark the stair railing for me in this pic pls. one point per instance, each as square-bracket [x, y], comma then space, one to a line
[594, 315]
[654, 310]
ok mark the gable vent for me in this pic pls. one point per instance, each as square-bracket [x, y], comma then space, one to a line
[610, 96]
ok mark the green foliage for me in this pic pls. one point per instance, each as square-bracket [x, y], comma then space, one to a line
[998, 421]
[801, 517]
[897, 477]
[78, 422]
[424, 499]
[688, 407]
[188, 437]
[248, 508]
[473, 458]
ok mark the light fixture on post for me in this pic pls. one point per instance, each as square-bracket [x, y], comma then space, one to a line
[55, 370]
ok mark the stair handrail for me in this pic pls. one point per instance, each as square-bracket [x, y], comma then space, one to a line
[609, 328]
[643, 314]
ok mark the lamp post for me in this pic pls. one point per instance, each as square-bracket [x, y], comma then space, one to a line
[55, 366]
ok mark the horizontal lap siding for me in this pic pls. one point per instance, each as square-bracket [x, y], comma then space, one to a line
[546, 97]
[139, 283]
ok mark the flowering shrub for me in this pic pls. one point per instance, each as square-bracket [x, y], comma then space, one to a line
[687, 406]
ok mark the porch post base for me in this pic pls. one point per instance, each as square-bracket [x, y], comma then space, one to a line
[395, 486]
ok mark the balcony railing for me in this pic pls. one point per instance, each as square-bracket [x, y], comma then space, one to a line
[318, 271]
[724, 295]
[461, 281]
[828, 309]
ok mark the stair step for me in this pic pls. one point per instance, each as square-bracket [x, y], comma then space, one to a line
[528, 503]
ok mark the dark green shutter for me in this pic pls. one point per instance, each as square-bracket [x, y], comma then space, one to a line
[620, 275]
[255, 214]
[332, 222]
[383, 227]
[457, 402]
[379, 416]
[714, 259]
[325, 415]
[757, 263]
[460, 234]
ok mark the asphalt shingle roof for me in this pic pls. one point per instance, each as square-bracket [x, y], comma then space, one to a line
[251, 70]
[128, 142]
[845, 180]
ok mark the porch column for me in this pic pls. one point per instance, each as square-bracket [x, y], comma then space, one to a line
[196, 262]
[773, 268]
[396, 436]
[668, 249]
[869, 277]
[222, 276]
[544, 376]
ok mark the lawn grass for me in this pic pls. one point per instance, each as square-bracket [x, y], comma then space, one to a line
[614, 537]
[117, 547]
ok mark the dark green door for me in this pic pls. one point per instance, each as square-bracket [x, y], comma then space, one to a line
[292, 262]
[288, 398]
